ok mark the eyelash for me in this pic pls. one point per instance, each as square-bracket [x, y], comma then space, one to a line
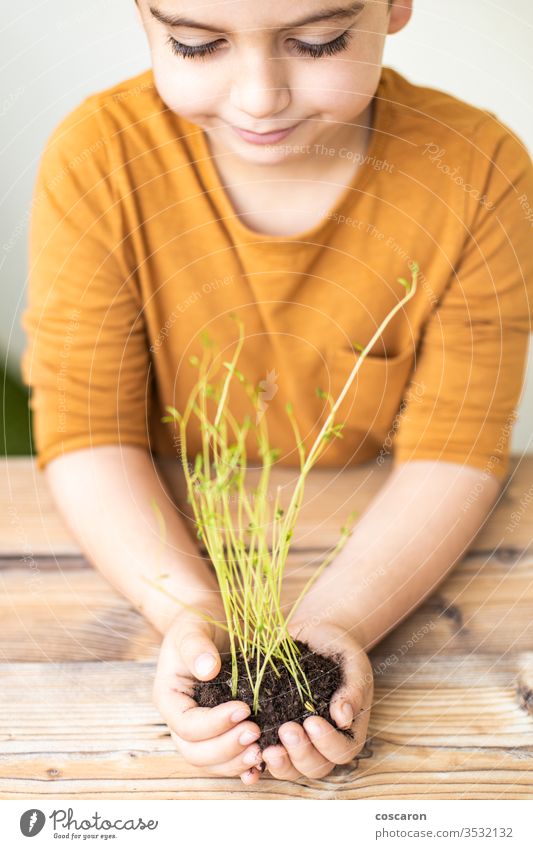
[313, 51]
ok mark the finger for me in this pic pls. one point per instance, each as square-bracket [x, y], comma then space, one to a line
[302, 753]
[248, 758]
[194, 723]
[197, 650]
[279, 764]
[251, 776]
[359, 728]
[220, 750]
[334, 746]
[357, 692]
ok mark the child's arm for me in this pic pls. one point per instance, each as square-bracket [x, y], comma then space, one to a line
[423, 519]
[104, 495]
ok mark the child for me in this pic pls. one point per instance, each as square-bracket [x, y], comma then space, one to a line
[268, 165]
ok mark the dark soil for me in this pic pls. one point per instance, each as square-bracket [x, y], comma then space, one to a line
[278, 697]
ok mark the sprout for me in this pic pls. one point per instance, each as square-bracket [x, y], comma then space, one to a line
[249, 549]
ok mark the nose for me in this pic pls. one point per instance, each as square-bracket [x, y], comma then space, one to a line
[261, 86]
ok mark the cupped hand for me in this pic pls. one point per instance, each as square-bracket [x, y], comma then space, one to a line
[219, 739]
[316, 749]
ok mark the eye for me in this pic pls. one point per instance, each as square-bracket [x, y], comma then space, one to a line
[302, 48]
[192, 51]
[316, 51]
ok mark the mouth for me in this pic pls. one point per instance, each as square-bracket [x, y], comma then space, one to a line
[265, 138]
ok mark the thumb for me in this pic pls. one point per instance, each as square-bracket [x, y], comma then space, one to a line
[356, 694]
[194, 640]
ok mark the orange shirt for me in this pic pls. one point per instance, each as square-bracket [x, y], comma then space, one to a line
[135, 249]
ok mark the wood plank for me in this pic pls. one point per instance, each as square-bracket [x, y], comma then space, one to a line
[424, 773]
[438, 741]
[69, 614]
[68, 611]
[109, 698]
[29, 522]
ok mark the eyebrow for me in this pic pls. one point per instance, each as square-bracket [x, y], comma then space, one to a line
[338, 13]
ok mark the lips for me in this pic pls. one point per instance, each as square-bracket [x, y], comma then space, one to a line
[264, 138]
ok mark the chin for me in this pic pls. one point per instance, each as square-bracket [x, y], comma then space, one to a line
[264, 154]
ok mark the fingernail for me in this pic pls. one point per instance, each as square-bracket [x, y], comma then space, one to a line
[239, 714]
[248, 737]
[251, 757]
[347, 713]
[205, 664]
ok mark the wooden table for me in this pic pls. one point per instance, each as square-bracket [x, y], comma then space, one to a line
[453, 712]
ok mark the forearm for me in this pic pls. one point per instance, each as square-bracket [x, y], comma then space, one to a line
[105, 496]
[410, 536]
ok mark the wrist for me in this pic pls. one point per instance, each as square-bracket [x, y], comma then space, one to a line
[335, 599]
[312, 620]
[322, 609]
[170, 600]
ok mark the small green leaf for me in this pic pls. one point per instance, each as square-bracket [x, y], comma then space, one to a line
[333, 431]
[358, 346]
[320, 392]
[173, 417]
[206, 340]
[172, 411]
[404, 283]
[194, 361]
[288, 407]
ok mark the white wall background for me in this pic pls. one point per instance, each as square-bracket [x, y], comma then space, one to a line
[56, 52]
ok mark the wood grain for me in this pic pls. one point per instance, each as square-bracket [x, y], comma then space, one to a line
[458, 735]
[453, 710]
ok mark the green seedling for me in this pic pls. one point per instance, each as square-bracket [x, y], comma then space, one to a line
[249, 548]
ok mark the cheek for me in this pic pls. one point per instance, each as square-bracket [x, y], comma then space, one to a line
[187, 88]
[344, 92]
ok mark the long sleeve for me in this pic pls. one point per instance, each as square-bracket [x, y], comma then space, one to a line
[87, 359]
[473, 350]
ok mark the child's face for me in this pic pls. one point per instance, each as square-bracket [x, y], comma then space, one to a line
[258, 74]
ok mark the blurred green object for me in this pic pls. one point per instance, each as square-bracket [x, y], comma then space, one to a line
[15, 428]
